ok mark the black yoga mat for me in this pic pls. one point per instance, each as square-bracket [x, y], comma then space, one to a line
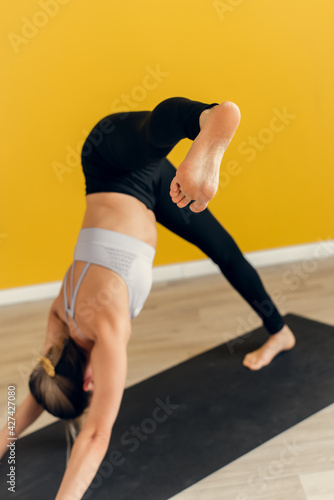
[187, 422]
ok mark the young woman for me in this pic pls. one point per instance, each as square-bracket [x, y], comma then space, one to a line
[130, 185]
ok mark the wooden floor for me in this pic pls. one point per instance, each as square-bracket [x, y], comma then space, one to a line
[181, 319]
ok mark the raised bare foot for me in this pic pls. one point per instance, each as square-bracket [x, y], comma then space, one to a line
[284, 340]
[197, 177]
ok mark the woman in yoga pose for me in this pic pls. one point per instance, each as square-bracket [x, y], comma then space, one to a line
[130, 185]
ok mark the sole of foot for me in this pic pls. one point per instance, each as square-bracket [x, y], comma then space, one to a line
[197, 177]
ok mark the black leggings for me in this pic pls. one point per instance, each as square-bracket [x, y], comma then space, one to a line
[138, 144]
[203, 230]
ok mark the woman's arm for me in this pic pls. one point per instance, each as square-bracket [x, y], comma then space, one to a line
[30, 410]
[86, 456]
[25, 415]
[109, 365]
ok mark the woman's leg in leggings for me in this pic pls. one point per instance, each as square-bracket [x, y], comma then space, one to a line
[203, 230]
[122, 142]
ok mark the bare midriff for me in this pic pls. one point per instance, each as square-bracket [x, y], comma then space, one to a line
[122, 213]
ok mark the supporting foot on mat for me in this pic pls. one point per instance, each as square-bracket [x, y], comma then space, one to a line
[284, 340]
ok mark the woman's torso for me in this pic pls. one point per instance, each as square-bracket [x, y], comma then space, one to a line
[117, 212]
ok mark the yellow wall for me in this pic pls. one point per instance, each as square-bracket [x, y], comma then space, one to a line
[61, 77]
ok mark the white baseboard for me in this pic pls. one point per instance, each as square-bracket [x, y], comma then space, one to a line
[306, 252]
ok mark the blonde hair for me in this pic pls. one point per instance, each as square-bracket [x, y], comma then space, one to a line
[56, 384]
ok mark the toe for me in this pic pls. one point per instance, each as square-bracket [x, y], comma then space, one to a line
[174, 185]
[177, 197]
[198, 206]
[248, 365]
[252, 362]
[247, 361]
[185, 200]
